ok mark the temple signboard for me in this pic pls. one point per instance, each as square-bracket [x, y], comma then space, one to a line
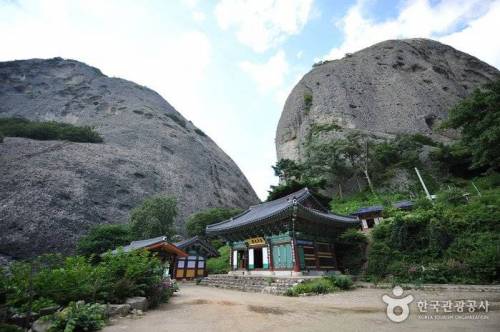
[256, 241]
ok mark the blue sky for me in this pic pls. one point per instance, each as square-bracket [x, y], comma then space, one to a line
[228, 65]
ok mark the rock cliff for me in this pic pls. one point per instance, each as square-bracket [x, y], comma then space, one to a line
[396, 86]
[52, 192]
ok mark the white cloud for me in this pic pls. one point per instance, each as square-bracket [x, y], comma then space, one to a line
[122, 40]
[199, 16]
[270, 75]
[262, 24]
[479, 37]
[477, 21]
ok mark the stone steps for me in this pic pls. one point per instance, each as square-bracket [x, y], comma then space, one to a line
[257, 284]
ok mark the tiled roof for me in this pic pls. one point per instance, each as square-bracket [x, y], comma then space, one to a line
[160, 241]
[144, 243]
[278, 208]
[202, 242]
[368, 209]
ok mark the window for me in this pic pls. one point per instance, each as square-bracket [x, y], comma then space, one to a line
[191, 264]
[180, 264]
[201, 264]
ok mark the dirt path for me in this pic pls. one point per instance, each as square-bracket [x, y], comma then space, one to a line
[197, 308]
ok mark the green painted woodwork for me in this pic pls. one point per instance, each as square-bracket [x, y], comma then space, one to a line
[282, 256]
[301, 257]
[284, 237]
[238, 245]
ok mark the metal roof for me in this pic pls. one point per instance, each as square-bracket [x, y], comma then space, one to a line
[279, 207]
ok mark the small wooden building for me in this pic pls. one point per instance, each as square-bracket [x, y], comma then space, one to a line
[292, 235]
[372, 215]
[167, 252]
[194, 265]
[369, 216]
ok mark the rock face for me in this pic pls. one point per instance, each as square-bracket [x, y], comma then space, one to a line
[396, 86]
[52, 192]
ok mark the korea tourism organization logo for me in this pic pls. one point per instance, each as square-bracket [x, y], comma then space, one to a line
[402, 304]
[398, 308]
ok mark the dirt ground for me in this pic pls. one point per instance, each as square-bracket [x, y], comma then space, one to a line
[197, 308]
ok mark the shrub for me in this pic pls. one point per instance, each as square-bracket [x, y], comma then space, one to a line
[351, 246]
[50, 130]
[181, 122]
[79, 316]
[200, 132]
[160, 293]
[341, 281]
[308, 99]
[447, 242]
[102, 238]
[453, 196]
[123, 275]
[10, 328]
[115, 278]
[219, 265]
[314, 286]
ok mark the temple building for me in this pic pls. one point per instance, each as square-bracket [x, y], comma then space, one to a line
[369, 216]
[292, 235]
[195, 264]
[167, 252]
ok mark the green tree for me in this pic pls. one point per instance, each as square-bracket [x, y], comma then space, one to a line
[478, 118]
[219, 265]
[154, 217]
[197, 222]
[102, 238]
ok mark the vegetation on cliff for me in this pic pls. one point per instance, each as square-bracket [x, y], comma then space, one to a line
[48, 130]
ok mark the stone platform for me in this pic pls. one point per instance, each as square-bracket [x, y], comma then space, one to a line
[257, 284]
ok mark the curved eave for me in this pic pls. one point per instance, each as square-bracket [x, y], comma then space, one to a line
[326, 218]
[224, 227]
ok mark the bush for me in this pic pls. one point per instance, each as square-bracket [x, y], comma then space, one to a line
[79, 316]
[123, 275]
[102, 238]
[10, 328]
[341, 281]
[50, 130]
[181, 122]
[314, 286]
[448, 242]
[112, 280]
[219, 265]
[351, 246]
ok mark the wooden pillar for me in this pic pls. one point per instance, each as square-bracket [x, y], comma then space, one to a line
[270, 253]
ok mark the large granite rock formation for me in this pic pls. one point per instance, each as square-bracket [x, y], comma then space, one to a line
[396, 86]
[52, 192]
